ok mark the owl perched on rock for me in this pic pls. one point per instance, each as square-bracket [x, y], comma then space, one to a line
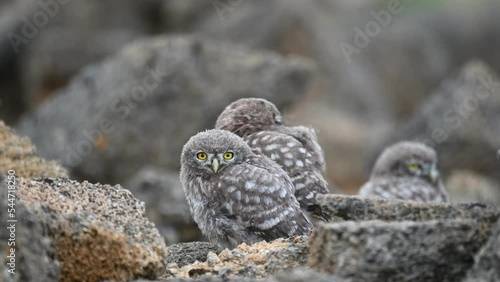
[406, 171]
[295, 149]
[236, 195]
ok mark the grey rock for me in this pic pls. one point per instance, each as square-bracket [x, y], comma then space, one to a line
[34, 251]
[460, 121]
[162, 192]
[186, 253]
[106, 117]
[397, 251]
[353, 208]
[98, 231]
[487, 260]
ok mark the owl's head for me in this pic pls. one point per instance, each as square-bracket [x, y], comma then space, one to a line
[408, 159]
[249, 115]
[210, 152]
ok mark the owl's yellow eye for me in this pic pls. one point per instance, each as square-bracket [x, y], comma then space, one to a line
[228, 155]
[201, 156]
[414, 167]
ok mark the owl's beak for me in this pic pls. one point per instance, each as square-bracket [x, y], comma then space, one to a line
[434, 174]
[215, 165]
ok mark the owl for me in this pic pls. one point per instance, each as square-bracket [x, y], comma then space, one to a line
[295, 149]
[406, 171]
[236, 195]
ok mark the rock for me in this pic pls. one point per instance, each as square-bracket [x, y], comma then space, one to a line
[397, 251]
[166, 204]
[107, 117]
[34, 251]
[18, 154]
[470, 187]
[487, 260]
[98, 231]
[260, 260]
[460, 122]
[359, 209]
[187, 253]
[64, 43]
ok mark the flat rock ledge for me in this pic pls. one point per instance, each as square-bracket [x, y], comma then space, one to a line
[359, 208]
[98, 232]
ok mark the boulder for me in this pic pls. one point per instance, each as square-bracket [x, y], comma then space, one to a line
[397, 251]
[98, 231]
[139, 107]
[33, 257]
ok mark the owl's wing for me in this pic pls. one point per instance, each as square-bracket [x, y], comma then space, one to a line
[401, 189]
[285, 150]
[308, 138]
[260, 196]
[386, 188]
[299, 159]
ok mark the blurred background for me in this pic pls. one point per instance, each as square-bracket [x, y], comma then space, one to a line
[112, 89]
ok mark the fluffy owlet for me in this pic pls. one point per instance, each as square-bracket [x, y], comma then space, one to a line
[236, 195]
[406, 171]
[295, 149]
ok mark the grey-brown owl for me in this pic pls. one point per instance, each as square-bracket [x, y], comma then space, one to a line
[295, 149]
[406, 171]
[236, 195]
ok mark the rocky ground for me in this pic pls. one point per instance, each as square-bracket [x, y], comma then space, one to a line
[108, 92]
[78, 231]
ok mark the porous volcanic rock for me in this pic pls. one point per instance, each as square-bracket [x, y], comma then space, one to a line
[354, 208]
[34, 256]
[397, 251]
[98, 231]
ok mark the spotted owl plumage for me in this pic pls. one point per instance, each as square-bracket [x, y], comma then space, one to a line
[295, 149]
[236, 195]
[406, 171]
